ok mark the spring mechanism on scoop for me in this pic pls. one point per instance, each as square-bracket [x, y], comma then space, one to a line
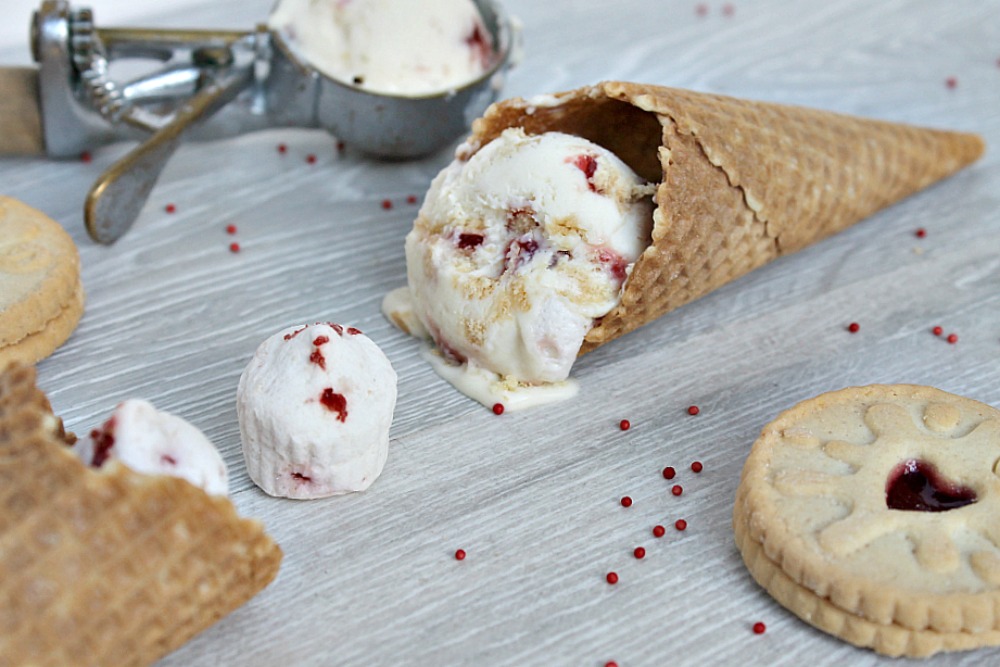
[91, 62]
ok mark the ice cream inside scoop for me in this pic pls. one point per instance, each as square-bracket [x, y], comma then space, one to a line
[516, 251]
[389, 46]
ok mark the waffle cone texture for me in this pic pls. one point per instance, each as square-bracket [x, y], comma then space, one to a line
[108, 568]
[740, 182]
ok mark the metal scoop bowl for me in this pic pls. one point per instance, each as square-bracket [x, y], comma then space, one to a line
[215, 84]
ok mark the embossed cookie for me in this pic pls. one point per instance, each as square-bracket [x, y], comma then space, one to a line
[882, 502]
[41, 298]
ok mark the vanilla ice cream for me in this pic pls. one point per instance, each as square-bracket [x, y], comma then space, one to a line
[400, 47]
[315, 405]
[514, 254]
[156, 443]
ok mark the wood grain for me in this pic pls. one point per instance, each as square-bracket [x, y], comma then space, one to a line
[533, 497]
[20, 113]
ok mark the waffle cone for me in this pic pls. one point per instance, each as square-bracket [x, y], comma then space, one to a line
[108, 567]
[740, 182]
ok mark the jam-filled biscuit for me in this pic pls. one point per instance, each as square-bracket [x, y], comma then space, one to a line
[41, 297]
[884, 503]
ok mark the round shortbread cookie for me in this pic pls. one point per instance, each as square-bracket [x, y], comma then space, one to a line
[39, 271]
[40, 344]
[892, 640]
[883, 500]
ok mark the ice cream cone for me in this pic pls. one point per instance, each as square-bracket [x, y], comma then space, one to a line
[108, 567]
[740, 182]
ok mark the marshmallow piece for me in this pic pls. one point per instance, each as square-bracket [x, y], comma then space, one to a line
[315, 405]
[155, 443]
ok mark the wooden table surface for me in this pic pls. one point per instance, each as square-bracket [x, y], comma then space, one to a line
[533, 497]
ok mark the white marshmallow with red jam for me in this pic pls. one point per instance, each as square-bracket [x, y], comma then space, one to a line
[398, 47]
[315, 405]
[153, 442]
[515, 253]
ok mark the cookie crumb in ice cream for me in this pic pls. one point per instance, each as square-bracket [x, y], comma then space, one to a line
[315, 405]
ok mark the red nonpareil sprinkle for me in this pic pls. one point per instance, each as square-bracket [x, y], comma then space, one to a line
[937, 331]
[920, 233]
[680, 524]
[611, 663]
[311, 159]
[659, 531]
[854, 327]
[952, 338]
[951, 82]
[230, 229]
[626, 501]
[639, 553]
[624, 424]
[341, 146]
[669, 472]
[351, 331]
[317, 358]
[460, 554]
[677, 489]
[386, 204]
[86, 157]
[728, 10]
[289, 336]
[701, 10]
[612, 578]
[170, 208]
[693, 410]
[234, 247]
[282, 148]
[411, 199]
[697, 466]
[759, 628]
[498, 408]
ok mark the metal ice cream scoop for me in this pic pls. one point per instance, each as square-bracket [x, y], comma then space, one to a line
[207, 85]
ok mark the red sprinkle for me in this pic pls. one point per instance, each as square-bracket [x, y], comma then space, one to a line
[341, 146]
[952, 338]
[282, 148]
[920, 233]
[677, 489]
[937, 331]
[311, 159]
[411, 199]
[170, 208]
[728, 10]
[951, 82]
[234, 247]
[498, 408]
[854, 327]
[624, 424]
[612, 578]
[659, 531]
[759, 628]
[86, 157]
[639, 553]
[701, 10]
[681, 524]
[386, 204]
[626, 501]
[611, 663]
[669, 472]
[351, 331]
[693, 410]
[230, 229]
[697, 466]
[460, 554]
[334, 402]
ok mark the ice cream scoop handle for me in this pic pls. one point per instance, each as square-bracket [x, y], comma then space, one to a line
[115, 200]
[20, 114]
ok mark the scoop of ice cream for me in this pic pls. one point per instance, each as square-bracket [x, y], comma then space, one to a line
[517, 250]
[156, 443]
[389, 46]
[315, 405]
